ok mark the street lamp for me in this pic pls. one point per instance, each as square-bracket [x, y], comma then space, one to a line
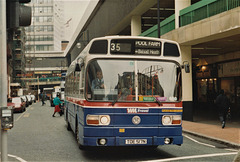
[158, 15]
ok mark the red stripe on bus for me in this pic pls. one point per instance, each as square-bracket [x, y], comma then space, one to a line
[122, 104]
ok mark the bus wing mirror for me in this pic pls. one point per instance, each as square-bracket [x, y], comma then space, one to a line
[186, 66]
[77, 67]
[79, 64]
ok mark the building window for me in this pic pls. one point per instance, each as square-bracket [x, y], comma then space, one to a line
[44, 48]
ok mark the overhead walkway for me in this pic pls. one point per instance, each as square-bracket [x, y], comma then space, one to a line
[203, 10]
[42, 81]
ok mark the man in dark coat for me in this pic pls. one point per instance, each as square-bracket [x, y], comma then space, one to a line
[42, 95]
[223, 104]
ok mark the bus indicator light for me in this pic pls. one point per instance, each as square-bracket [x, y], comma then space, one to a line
[92, 120]
[98, 120]
[171, 120]
[174, 122]
[177, 120]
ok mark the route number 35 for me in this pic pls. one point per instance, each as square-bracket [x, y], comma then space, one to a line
[115, 47]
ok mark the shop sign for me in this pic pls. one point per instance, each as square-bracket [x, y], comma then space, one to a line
[229, 69]
[43, 72]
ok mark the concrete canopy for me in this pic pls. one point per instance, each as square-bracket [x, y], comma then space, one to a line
[213, 36]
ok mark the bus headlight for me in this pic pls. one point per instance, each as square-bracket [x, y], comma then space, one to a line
[167, 120]
[98, 119]
[171, 119]
[105, 120]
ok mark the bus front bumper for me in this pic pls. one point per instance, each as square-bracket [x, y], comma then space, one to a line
[131, 141]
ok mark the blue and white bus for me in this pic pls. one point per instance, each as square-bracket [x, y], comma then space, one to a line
[139, 98]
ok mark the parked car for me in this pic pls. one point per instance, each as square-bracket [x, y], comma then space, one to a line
[9, 103]
[29, 99]
[33, 98]
[19, 104]
[26, 100]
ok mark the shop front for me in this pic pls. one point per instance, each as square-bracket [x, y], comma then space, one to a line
[210, 79]
[229, 73]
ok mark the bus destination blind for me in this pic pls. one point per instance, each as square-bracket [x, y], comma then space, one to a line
[137, 47]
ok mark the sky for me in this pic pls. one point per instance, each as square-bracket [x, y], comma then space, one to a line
[73, 12]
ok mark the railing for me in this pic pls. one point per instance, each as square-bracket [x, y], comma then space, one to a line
[166, 25]
[49, 79]
[198, 11]
[23, 81]
[204, 9]
[41, 81]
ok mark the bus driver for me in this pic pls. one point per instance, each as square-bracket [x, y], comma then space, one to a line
[98, 83]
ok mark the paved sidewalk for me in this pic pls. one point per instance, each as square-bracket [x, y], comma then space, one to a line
[229, 135]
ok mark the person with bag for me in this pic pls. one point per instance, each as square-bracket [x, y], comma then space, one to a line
[57, 102]
[223, 104]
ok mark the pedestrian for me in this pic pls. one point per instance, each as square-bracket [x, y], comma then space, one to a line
[223, 104]
[43, 98]
[57, 102]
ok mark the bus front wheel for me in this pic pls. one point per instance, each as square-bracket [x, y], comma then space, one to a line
[68, 126]
[81, 147]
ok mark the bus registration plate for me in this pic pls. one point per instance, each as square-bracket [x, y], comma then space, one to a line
[135, 141]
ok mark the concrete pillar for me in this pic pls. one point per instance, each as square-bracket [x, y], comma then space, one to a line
[179, 5]
[187, 85]
[136, 26]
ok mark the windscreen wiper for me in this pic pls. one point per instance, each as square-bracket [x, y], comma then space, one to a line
[159, 103]
[113, 103]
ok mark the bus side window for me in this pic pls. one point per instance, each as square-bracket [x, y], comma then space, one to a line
[81, 83]
[76, 82]
[89, 79]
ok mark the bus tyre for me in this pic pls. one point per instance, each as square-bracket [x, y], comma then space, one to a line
[68, 126]
[153, 147]
[81, 147]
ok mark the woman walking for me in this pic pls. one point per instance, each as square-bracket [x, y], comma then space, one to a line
[57, 102]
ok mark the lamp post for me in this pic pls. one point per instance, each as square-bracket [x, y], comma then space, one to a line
[38, 87]
[158, 15]
[3, 74]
